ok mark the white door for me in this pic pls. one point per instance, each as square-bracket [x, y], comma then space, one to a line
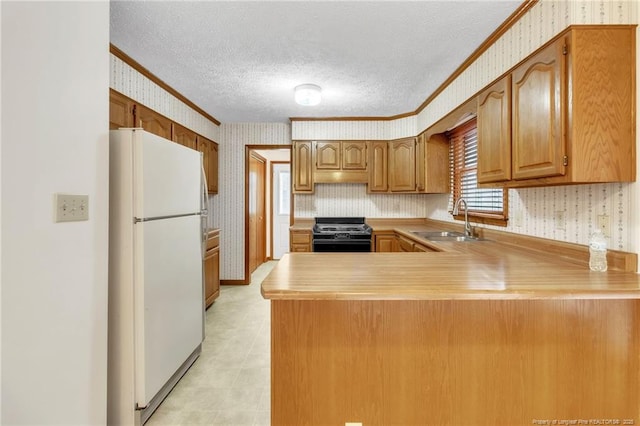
[281, 207]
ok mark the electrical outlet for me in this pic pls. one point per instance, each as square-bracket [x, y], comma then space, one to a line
[604, 225]
[559, 219]
[71, 208]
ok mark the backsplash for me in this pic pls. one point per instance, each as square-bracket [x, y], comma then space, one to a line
[532, 211]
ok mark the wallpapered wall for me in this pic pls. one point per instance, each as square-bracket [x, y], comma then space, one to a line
[534, 207]
[131, 83]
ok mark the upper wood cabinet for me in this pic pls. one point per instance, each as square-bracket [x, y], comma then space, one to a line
[209, 150]
[494, 130]
[120, 110]
[340, 162]
[402, 165]
[432, 164]
[328, 155]
[302, 167]
[184, 136]
[152, 122]
[417, 165]
[378, 166]
[572, 113]
[125, 112]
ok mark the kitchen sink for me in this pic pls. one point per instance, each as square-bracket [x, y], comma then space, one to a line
[445, 236]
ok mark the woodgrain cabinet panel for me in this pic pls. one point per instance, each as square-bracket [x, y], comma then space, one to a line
[302, 167]
[385, 242]
[378, 167]
[572, 113]
[327, 155]
[402, 166]
[494, 132]
[300, 241]
[120, 110]
[209, 150]
[212, 268]
[184, 136]
[152, 122]
[538, 89]
[354, 155]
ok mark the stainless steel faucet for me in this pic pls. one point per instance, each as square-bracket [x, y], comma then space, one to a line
[456, 211]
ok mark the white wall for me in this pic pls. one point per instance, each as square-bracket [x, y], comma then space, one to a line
[55, 79]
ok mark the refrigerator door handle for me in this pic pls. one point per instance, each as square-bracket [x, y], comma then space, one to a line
[204, 206]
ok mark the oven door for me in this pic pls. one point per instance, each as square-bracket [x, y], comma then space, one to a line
[341, 245]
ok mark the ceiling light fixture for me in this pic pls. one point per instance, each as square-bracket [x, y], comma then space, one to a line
[308, 94]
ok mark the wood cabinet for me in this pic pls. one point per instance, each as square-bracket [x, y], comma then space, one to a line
[212, 268]
[125, 112]
[405, 244]
[385, 242]
[120, 110]
[340, 162]
[300, 240]
[378, 166]
[402, 165]
[209, 150]
[302, 167]
[152, 122]
[432, 164]
[494, 130]
[184, 136]
[571, 114]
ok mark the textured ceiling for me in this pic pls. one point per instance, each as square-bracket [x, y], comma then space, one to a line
[240, 60]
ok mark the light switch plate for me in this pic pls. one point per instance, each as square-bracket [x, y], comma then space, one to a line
[71, 208]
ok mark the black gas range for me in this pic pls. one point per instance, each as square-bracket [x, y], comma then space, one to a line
[341, 234]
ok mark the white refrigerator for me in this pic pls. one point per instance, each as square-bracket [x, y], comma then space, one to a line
[157, 201]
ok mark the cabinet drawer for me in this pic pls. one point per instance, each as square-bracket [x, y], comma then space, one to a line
[300, 238]
[300, 248]
[213, 241]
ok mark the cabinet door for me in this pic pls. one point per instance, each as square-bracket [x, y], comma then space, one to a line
[327, 155]
[538, 92]
[404, 244]
[402, 165]
[120, 110]
[386, 243]
[354, 155]
[211, 275]
[494, 132]
[209, 150]
[302, 167]
[378, 167]
[421, 157]
[300, 241]
[152, 122]
[183, 136]
[212, 177]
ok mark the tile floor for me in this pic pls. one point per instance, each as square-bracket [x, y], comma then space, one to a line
[229, 384]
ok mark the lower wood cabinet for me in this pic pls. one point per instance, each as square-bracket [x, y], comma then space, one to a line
[300, 240]
[385, 242]
[212, 268]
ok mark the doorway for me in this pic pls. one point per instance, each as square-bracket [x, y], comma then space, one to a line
[267, 199]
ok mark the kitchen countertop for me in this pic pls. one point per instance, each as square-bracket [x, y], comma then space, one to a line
[482, 270]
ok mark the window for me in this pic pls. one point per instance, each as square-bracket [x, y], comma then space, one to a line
[486, 205]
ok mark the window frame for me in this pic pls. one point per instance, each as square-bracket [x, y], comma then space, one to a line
[456, 137]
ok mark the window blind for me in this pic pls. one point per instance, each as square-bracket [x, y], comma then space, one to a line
[463, 159]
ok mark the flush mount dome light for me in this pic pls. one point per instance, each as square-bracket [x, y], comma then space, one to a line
[308, 94]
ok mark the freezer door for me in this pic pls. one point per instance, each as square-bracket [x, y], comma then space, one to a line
[166, 177]
[169, 305]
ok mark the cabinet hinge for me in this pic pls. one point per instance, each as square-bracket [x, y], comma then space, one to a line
[565, 161]
[564, 49]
